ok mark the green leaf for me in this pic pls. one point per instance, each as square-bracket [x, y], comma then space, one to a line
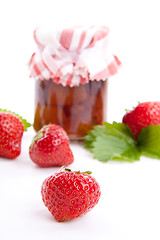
[112, 141]
[24, 121]
[149, 141]
[91, 137]
[119, 129]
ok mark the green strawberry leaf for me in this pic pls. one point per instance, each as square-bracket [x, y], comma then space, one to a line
[24, 121]
[149, 141]
[112, 142]
[91, 137]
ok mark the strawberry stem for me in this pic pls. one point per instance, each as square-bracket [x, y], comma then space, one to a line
[67, 169]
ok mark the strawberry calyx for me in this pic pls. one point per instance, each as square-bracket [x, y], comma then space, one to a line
[24, 121]
[79, 172]
[38, 135]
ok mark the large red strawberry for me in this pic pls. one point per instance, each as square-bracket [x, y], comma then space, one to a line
[11, 131]
[50, 147]
[67, 194]
[143, 115]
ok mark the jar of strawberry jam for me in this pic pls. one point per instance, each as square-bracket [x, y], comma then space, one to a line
[71, 68]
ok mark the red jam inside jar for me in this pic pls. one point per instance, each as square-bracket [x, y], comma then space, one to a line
[77, 109]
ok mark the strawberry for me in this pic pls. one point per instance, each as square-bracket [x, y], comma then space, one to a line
[50, 147]
[143, 115]
[11, 132]
[68, 195]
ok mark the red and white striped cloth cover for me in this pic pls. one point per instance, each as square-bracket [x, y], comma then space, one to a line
[73, 56]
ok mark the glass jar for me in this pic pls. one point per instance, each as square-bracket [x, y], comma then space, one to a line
[77, 109]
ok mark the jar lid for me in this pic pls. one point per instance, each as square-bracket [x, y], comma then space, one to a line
[73, 56]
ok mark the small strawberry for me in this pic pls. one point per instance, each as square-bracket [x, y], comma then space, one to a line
[143, 115]
[12, 127]
[67, 194]
[50, 147]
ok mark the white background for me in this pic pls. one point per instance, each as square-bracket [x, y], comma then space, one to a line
[129, 207]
